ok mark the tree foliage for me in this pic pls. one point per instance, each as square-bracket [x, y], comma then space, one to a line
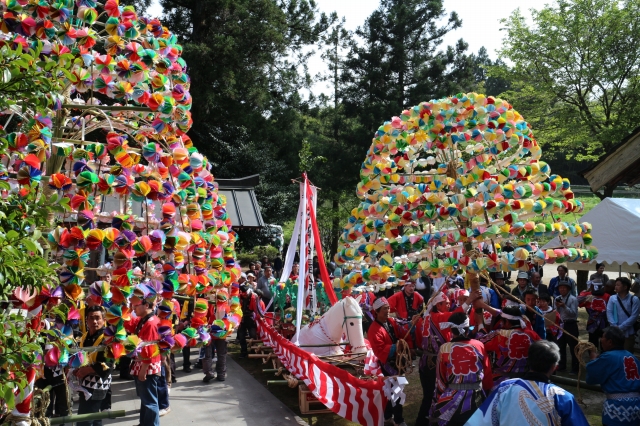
[29, 84]
[400, 62]
[577, 73]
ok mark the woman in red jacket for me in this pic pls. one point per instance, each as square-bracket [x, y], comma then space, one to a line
[383, 336]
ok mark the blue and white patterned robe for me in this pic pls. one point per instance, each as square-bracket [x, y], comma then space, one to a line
[529, 401]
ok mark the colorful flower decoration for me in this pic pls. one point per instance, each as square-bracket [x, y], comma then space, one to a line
[446, 176]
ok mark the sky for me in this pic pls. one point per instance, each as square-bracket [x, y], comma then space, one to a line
[480, 22]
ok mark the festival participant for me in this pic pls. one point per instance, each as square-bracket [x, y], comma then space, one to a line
[295, 271]
[463, 375]
[54, 376]
[251, 280]
[617, 371]
[502, 291]
[366, 304]
[610, 287]
[594, 300]
[458, 297]
[250, 303]
[533, 313]
[146, 367]
[510, 345]
[383, 336]
[186, 312]
[95, 378]
[258, 271]
[622, 310]
[533, 399]
[489, 295]
[552, 321]
[536, 283]
[438, 282]
[430, 337]
[424, 287]
[563, 272]
[567, 306]
[278, 264]
[521, 287]
[508, 248]
[264, 284]
[216, 350]
[406, 304]
[599, 276]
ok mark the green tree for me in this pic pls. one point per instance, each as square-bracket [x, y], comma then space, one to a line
[400, 61]
[486, 83]
[29, 84]
[577, 70]
[248, 60]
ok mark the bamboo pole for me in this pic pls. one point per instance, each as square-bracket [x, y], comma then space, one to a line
[567, 381]
[88, 417]
[277, 382]
[107, 107]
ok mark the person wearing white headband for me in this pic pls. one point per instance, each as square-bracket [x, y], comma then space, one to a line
[509, 344]
[383, 335]
[430, 337]
[464, 376]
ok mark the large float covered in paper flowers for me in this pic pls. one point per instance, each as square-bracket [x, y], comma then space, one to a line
[113, 146]
[447, 179]
[440, 183]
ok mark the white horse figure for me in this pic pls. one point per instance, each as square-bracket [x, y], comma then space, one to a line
[341, 323]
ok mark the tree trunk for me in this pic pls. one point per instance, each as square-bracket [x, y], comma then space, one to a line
[335, 225]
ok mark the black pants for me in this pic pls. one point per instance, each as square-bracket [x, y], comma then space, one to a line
[428, 382]
[426, 294]
[57, 398]
[125, 365]
[395, 412]
[186, 357]
[89, 407]
[595, 338]
[246, 327]
[106, 402]
[572, 328]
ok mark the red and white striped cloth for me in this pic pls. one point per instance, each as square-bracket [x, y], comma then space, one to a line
[371, 364]
[357, 400]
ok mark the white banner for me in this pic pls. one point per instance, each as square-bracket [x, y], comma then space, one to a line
[304, 232]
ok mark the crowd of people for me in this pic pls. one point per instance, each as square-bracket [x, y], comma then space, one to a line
[485, 356]
[488, 356]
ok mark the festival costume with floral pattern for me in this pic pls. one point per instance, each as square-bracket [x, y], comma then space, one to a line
[464, 380]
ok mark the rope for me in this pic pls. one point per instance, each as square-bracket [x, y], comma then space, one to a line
[268, 357]
[292, 381]
[403, 358]
[579, 351]
[497, 287]
[12, 420]
[39, 407]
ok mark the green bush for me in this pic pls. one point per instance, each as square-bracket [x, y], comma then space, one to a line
[269, 251]
[246, 258]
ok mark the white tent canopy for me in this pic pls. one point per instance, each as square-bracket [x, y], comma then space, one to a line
[616, 234]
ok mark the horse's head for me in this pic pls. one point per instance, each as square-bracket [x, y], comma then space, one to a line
[352, 323]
